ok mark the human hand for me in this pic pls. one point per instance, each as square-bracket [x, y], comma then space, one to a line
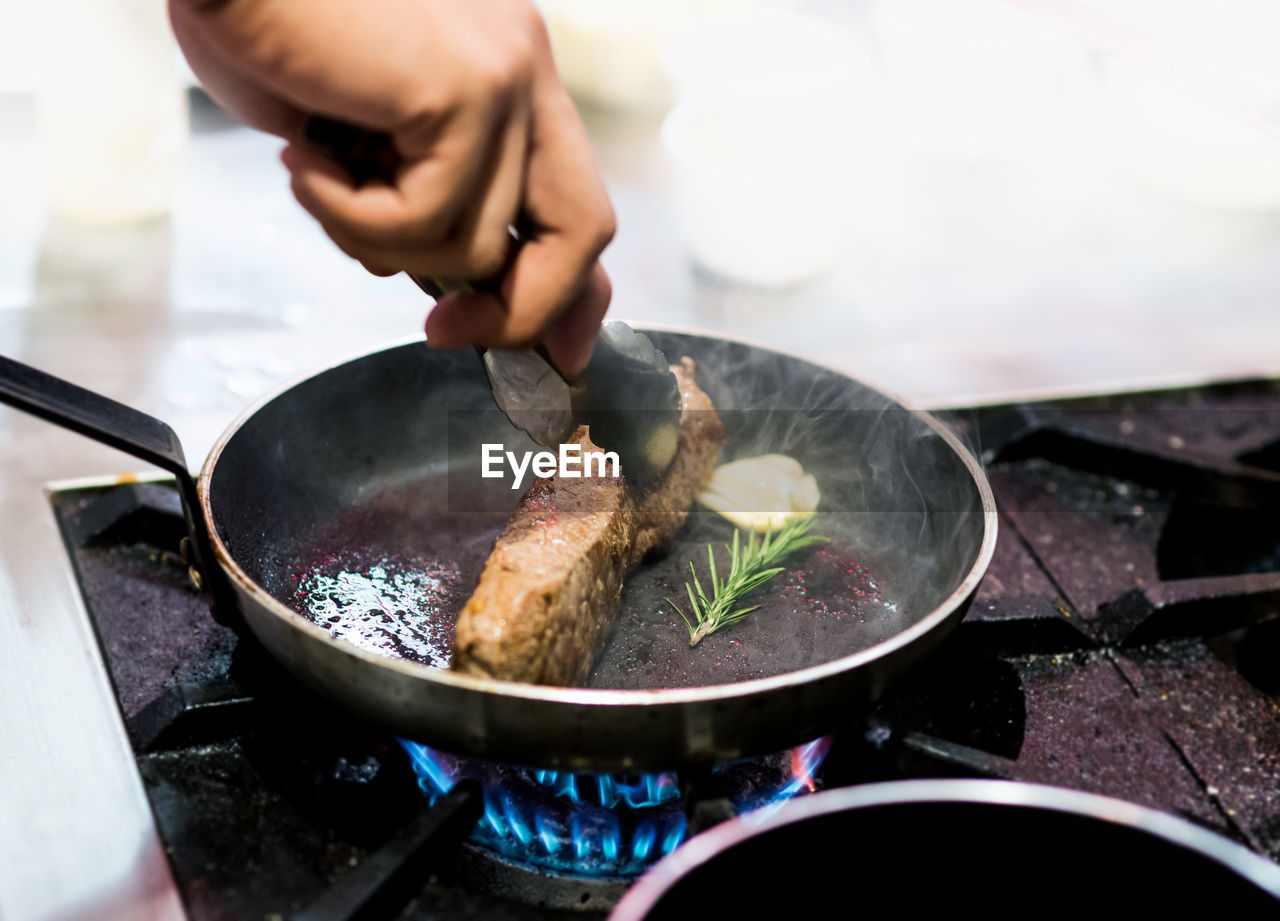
[486, 135]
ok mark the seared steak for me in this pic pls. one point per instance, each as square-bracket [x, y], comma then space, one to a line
[546, 598]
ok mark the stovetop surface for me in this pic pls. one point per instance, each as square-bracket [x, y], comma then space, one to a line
[1122, 642]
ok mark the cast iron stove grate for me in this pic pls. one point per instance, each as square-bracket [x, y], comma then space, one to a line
[1123, 642]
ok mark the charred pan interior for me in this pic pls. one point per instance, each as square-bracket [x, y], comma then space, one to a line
[896, 500]
[392, 583]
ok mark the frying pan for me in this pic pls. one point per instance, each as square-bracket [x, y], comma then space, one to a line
[997, 848]
[373, 463]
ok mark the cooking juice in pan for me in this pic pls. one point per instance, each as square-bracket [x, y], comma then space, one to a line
[391, 574]
[822, 606]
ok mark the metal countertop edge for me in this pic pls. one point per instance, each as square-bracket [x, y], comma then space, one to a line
[89, 846]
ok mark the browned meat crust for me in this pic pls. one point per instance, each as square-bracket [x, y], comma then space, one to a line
[547, 596]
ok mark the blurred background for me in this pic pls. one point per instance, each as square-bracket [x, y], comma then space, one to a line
[958, 201]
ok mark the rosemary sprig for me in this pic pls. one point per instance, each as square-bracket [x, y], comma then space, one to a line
[749, 568]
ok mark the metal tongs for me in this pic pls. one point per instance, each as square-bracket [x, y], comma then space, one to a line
[627, 394]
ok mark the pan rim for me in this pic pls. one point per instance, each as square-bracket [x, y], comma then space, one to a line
[608, 697]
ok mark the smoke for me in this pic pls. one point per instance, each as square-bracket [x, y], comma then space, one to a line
[891, 482]
[902, 511]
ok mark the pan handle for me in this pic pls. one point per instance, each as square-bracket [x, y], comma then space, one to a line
[126, 429]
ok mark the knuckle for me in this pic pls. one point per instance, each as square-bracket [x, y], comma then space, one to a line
[510, 63]
[529, 24]
[500, 75]
[607, 229]
[601, 232]
[419, 108]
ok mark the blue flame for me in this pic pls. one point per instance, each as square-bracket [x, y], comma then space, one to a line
[642, 840]
[581, 843]
[592, 824]
[610, 836]
[547, 834]
[434, 778]
[674, 834]
[805, 761]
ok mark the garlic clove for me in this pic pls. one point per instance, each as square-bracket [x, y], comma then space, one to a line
[761, 493]
[805, 497]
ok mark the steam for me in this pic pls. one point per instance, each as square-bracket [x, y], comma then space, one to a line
[890, 483]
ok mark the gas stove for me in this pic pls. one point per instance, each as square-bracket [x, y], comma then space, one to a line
[1124, 641]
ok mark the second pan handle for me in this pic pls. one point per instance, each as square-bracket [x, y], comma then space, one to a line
[145, 437]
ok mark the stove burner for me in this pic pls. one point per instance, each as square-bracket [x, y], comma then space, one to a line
[604, 825]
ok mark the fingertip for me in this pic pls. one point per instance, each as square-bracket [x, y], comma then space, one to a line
[484, 319]
[302, 159]
[437, 326]
[319, 184]
[571, 337]
[466, 319]
[377, 268]
[570, 349]
[571, 356]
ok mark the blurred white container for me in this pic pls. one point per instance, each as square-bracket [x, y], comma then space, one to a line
[764, 143]
[608, 52]
[113, 109]
[968, 79]
[762, 186]
[1183, 146]
[768, 52]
